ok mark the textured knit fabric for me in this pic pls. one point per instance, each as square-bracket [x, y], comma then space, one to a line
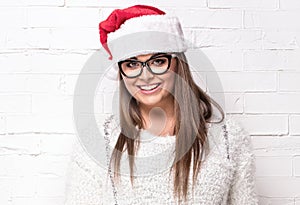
[226, 175]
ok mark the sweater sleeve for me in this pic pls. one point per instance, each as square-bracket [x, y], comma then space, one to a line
[242, 190]
[83, 185]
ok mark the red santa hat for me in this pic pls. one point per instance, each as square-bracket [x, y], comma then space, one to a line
[140, 29]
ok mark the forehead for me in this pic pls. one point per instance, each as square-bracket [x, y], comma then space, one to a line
[144, 57]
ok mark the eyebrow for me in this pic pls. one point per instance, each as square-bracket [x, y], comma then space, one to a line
[154, 55]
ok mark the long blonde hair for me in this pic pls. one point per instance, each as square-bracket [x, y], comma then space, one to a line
[190, 128]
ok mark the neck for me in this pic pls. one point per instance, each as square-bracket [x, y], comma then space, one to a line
[160, 117]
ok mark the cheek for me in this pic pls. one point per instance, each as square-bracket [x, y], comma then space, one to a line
[172, 81]
[169, 82]
[129, 84]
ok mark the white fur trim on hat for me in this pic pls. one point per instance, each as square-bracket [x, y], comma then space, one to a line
[147, 34]
[165, 23]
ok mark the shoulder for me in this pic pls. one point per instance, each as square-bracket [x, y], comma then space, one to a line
[83, 155]
[110, 123]
[239, 139]
[237, 134]
[82, 161]
[230, 135]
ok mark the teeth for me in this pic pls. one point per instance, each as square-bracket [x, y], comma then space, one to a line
[150, 87]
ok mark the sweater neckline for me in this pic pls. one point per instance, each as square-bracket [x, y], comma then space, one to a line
[146, 136]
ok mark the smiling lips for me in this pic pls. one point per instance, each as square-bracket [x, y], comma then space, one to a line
[148, 89]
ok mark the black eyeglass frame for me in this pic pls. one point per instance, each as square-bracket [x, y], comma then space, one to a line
[145, 64]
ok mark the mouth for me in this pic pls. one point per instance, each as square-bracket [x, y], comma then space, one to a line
[149, 87]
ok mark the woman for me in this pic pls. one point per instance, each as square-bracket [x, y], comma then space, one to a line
[167, 146]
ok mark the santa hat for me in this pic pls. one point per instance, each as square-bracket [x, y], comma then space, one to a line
[140, 29]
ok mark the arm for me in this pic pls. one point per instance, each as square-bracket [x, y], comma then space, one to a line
[83, 185]
[242, 190]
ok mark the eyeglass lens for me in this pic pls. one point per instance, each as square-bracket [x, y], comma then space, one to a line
[157, 65]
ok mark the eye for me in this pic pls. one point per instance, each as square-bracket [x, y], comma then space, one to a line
[132, 64]
[159, 61]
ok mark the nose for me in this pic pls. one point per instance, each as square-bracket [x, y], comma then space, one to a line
[146, 74]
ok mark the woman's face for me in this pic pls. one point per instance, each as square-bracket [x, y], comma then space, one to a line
[151, 89]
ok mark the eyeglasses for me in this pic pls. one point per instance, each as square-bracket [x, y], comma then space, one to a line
[157, 64]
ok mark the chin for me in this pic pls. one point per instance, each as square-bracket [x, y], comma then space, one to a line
[149, 102]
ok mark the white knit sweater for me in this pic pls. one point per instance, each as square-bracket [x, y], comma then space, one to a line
[220, 181]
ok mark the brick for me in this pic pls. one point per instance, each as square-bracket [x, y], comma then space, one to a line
[257, 4]
[105, 12]
[272, 103]
[273, 166]
[15, 38]
[241, 39]
[45, 2]
[267, 146]
[233, 101]
[57, 123]
[276, 201]
[289, 4]
[180, 4]
[188, 34]
[39, 83]
[32, 3]
[289, 81]
[294, 124]
[74, 38]
[6, 185]
[57, 62]
[272, 20]
[296, 166]
[263, 60]
[2, 124]
[51, 104]
[38, 38]
[91, 85]
[51, 166]
[221, 59]
[20, 144]
[13, 83]
[68, 84]
[17, 166]
[105, 3]
[13, 17]
[34, 83]
[38, 200]
[256, 124]
[63, 17]
[13, 3]
[213, 59]
[15, 103]
[271, 60]
[281, 186]
[281, 39]
[204, 18]
[57, 144]
[122, 4]
[24, 186]
[242, 81]
[50, 187]
[14, 62]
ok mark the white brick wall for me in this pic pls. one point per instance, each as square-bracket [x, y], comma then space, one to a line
[253, 45]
